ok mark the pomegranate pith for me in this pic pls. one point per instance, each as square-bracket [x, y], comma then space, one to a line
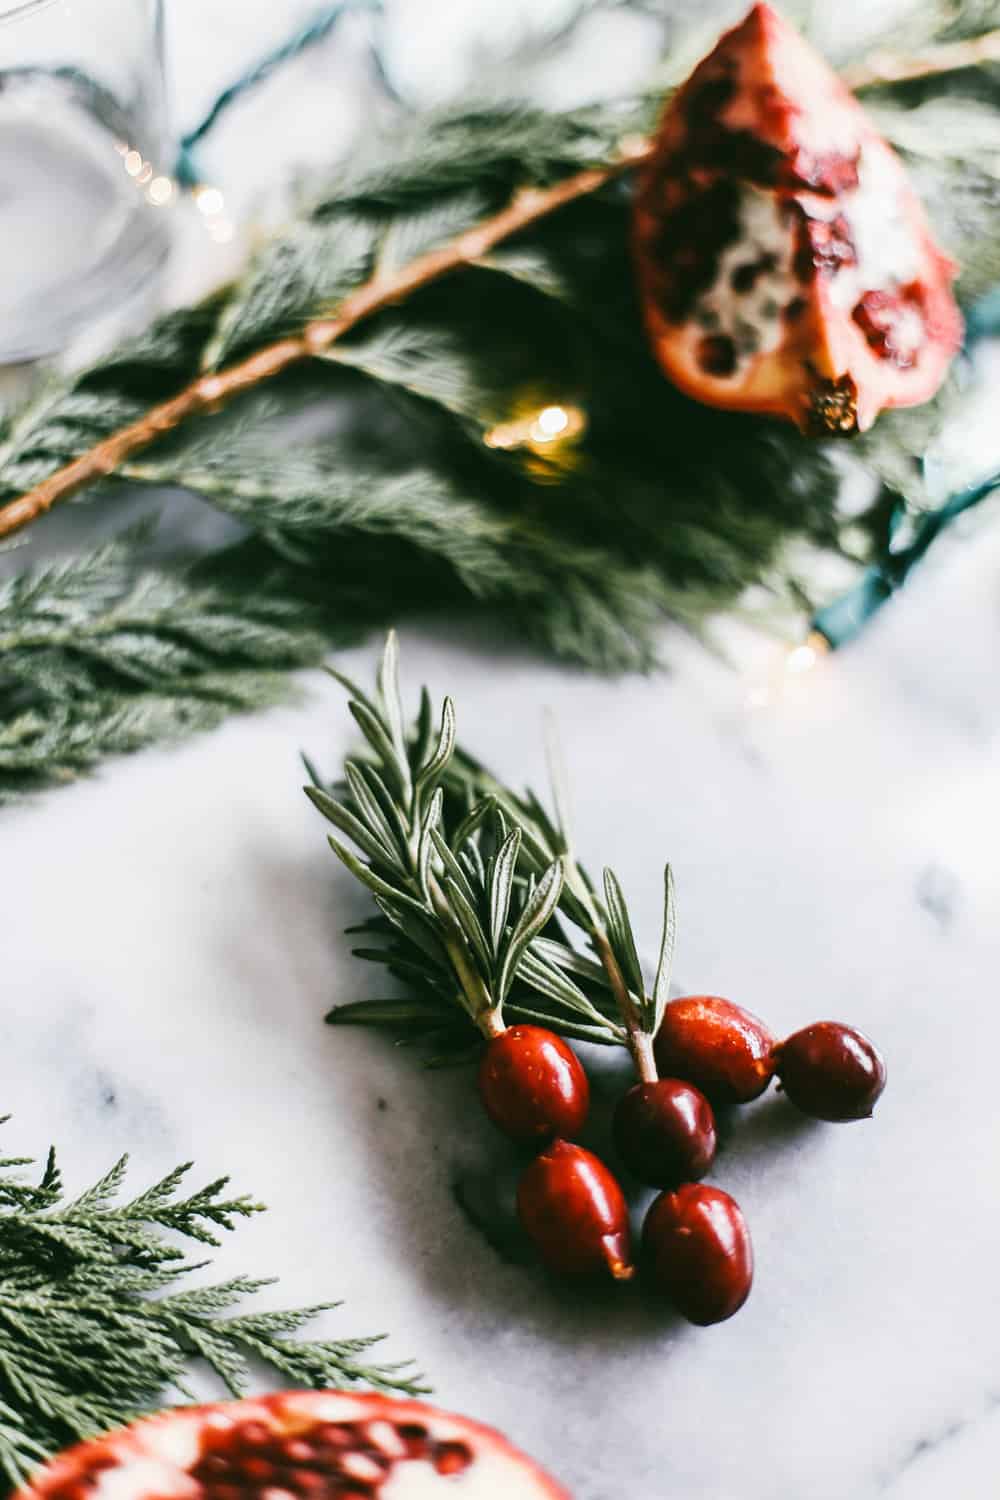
[312, 1445]
[574, 1211]
[786, 263]
[533, 1085]
[717, 1045]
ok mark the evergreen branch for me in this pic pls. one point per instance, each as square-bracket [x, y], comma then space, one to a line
[93, 1331]
[209, 391]
[100, 655]
[332, 262]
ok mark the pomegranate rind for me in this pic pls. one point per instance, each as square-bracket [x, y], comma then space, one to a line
[764, 143]
[153, 1459]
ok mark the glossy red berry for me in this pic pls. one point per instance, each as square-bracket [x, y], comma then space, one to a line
[665, 1132]
[533, 1086]
[573, 1209]
[720, 1047]
[696, 1248]
[831, 1071]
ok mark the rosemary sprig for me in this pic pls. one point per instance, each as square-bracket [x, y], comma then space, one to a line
[476, 887]
[93, 1327]
[450, 895]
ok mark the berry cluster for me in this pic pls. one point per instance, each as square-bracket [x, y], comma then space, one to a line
[695, 1242]
[488, 918]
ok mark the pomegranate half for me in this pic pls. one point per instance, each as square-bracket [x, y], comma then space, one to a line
[308, 1445]
[785, 262]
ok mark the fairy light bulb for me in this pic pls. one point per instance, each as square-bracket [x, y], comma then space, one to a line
[209, 201]
[551, 422]
[790, 668]
[161, 190]
[543, 428]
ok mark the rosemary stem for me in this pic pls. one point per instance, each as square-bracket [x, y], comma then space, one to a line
[479, 1003]
[640, 1043]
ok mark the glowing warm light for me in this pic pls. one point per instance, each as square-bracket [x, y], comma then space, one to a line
[550, 425]
[209, 200]
[804, 657]
[133, 163]
[145, 175]
[801, 659]
[161, 190]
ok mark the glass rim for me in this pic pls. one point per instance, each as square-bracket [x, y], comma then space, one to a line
[13, 10]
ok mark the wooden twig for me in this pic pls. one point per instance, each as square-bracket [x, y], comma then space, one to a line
[948, 57]
[210, 391]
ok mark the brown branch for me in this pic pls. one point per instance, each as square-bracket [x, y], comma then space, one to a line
[527, 206]
[948, 57]
[210, 391]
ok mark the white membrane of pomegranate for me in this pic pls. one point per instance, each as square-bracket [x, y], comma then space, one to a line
[887, 259]
[752, 319]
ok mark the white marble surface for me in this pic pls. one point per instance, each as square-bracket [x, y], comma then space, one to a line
[171, 937]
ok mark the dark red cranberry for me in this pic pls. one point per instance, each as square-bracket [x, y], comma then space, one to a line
[665, 1132]
[831, 1071]
[696, 1248]
[575, 1212]
[723, 1049]
[533, 1086]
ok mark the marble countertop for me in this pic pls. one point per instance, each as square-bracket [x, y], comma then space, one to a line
[170, 935]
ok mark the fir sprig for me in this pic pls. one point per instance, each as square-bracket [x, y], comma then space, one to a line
[100, 655]
[93, 1330]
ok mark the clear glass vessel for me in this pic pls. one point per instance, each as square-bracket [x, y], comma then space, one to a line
[83, 172]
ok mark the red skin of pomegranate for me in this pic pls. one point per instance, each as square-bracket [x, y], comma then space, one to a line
[696, 1248]
[533, 1086]
[723, 1049]
[665, 1132]
[785, 262]
[574, 1211]
[831, 1071]
[313, 1445]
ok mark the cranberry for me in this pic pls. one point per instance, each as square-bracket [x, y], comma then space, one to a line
[665, 1132]
[726, 1051]
[697, 1248]
[831, 1071]
[575, 1212]
[532, 1085]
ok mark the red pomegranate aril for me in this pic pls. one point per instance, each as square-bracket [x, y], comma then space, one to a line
[452, 1458]
[696, 1249]
[830, 1071]
[723, 1049]
[574, 1211]
[664, 1132]
[533, 1086]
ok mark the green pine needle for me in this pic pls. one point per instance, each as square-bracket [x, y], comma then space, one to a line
[94, 1330]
